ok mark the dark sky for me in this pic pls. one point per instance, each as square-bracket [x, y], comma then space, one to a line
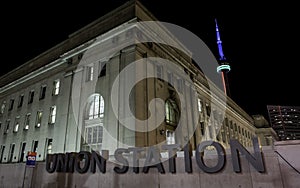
[260, 41]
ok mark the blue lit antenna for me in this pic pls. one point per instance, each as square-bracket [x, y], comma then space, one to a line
[224, 66]
[219, 42]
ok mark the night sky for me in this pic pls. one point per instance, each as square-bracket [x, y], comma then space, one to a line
[261, 42]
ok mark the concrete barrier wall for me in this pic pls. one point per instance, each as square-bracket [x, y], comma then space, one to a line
[278, 174]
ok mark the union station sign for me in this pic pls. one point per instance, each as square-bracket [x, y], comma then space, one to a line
[85, 161]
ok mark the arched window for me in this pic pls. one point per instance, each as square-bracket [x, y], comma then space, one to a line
[93, 136]
[172, 112]
[96, 107]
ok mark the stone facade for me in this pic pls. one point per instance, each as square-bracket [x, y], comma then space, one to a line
[61, 101]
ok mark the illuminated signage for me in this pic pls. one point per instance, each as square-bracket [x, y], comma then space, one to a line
[84, 161]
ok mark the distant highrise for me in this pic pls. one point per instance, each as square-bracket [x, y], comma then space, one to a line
[285, 120]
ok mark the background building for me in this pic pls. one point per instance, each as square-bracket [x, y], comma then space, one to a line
[285, 120]
[266, 134]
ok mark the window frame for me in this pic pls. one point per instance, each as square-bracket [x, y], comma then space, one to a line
[16, 124]
[21, 100]
[31, 97]
[27, 121]
[52, 115]
[43, 91]
[56, 87]
[38, 121]
[90, 73]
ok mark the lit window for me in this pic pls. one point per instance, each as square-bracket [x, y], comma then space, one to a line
[93, 137]
[17, 124]
[56, 85]
[199, 105]
[49, 146]
[172, 112]
[94, 129]
[27, 121]
[39, 116]
[52, 114]
[90, 73]
[43, 92]
[94, 134]
[96, 107]
[170, 137]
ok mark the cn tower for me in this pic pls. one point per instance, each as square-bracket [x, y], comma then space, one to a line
[224, 66]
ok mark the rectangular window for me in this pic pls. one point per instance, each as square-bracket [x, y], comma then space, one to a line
[94, 134]
[48, 146]
[43, 92]
[27, 121]
[199, 105]
[2, 149]
[39, 116]
[17, 124]
[223, 135]
[21, 99]
[100, 134]
[11, 104]
[30, 96]
[89, 135]
[35, 144]
[52, 115]
[202, 128]
[22, 151]
[102, 69]
[3, 107]
[7, 126]
[56, 85]
[208, 110]
[11, 152]
[90, 73]
[170, 137]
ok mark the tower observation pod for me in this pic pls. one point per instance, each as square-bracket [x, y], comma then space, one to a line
[224, 66]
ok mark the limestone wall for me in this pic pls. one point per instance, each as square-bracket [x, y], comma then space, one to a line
[278, 174]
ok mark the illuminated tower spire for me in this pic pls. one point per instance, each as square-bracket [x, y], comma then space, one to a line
[224, 66]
